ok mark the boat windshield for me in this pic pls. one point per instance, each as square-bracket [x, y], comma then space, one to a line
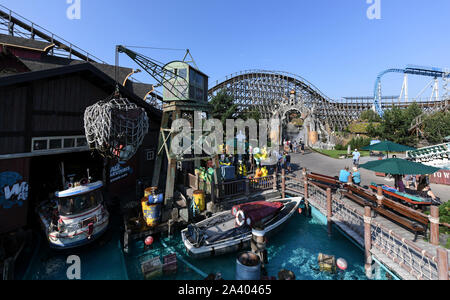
[80, 203]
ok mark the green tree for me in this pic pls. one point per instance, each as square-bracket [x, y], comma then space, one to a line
[223, 106]
[395, 125]
[370, 116]
[437, 127]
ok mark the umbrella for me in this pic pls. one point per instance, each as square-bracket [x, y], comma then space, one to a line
[397, 166]
[389, 147]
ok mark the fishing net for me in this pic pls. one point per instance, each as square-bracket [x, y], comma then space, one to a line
[116, 128]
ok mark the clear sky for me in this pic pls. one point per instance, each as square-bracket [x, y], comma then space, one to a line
[331, 43]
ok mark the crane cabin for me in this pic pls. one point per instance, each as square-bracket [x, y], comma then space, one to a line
[186, 83]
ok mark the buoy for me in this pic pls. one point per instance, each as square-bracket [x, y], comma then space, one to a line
[149, 240]
[342, 264]
[240, 218]
[300, 211]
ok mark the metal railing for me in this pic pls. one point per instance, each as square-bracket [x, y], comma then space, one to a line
[10, 21]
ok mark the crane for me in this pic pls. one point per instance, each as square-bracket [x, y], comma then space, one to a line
[165, 77]
[185, 92]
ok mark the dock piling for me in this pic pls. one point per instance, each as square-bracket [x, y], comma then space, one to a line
[442, 261]
[329, 211]
[368, 241]
[434, 225]
[283, 183]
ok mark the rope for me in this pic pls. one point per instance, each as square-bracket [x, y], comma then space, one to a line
[116, 128]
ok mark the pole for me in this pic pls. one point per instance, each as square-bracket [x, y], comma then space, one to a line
[306, 192]
[368, 241]
[283, 183]
[329, 210]
[442, 257]
[434, 226]
[380, 196]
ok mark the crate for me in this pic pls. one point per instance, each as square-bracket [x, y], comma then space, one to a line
[170, 264]
[152, 268]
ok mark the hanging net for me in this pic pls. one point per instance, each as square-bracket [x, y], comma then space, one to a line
[116, 128]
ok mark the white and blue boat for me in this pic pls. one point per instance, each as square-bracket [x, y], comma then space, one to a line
[75, 217]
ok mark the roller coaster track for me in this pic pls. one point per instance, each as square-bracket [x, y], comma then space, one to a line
[264, 91]
[417, 124]
[14, 24]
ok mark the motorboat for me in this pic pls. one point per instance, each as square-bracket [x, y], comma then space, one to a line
[231, 231]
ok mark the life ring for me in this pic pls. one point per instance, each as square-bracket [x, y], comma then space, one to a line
[240, 218]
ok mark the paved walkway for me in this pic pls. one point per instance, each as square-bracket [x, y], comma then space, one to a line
[323, 164]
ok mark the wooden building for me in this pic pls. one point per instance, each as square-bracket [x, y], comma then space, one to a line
[42, 104]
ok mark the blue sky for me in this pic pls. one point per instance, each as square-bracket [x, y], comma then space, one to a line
[331, 43]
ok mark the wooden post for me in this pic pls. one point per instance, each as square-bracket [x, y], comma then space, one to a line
[213, 191]
[170, 186]
[275, 185]
[305, 178]
[367, 241]
[329, 210]
[442, 258]
[283, 183]
[247, 187]
[197, 179]
[380, 196]
[306, 193]
[434, 225]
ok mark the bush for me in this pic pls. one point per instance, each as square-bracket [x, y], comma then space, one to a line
[359, 142]
[444, 215]
[340, 147]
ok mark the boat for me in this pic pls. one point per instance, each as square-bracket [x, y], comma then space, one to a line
[75, 217]
[394, 194]
[231, 231]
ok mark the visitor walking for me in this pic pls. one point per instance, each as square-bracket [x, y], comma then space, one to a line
[356, 156]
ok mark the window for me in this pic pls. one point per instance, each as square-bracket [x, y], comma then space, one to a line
[55, 144]
[40, 144]
[69, 143]
[81, 142]
[182, 73]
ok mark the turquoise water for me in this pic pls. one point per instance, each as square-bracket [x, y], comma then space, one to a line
[296, 248]
[103, 260]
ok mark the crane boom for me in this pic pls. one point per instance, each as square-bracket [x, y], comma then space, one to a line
[170, 80]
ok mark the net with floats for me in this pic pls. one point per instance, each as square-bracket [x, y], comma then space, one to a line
[116, 128]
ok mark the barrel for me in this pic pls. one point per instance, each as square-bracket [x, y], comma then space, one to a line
[248, 266]
[199, 200]
[150, 191]
[152, 212]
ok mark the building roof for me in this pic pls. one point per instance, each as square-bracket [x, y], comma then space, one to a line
[80, 67]
[19, 42]
[49, 62]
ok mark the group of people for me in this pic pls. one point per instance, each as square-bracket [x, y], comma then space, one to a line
[294, 146]
[345, 174]
[415, 184]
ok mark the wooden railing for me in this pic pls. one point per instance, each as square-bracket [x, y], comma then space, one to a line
[415, 261]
